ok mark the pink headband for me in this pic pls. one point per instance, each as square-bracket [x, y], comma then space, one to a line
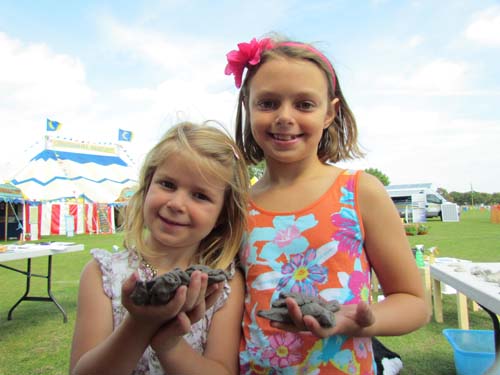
[248, 54]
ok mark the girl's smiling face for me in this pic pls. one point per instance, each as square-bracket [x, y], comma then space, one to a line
[182, 205]
[289, 108]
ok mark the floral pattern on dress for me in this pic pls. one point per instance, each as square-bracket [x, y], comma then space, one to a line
[302, 273]
[283, 350]
[349, 232]
[116, 268]
[315, 252]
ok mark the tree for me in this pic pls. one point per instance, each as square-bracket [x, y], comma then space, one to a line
[381, 176]
[444, 193]
[257, 170]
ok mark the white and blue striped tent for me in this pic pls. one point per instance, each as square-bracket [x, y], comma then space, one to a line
[81, 180]
[72, 170]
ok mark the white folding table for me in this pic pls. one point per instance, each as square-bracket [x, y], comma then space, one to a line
[29, 251]
[460, 276]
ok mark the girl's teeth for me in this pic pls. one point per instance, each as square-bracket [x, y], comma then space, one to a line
[284, 137]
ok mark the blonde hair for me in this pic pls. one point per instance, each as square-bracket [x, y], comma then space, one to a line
[211, 151]
[338, 142]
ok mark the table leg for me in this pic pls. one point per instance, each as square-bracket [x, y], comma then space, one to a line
[28, 283]
[426, 281]
[49, 290]
[438, 301]
[463, 313]
[496, 329]
[27, 297]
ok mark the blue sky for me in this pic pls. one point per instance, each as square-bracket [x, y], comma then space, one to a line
[422, 77]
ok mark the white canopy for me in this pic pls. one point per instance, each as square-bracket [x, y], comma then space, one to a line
[70, 169]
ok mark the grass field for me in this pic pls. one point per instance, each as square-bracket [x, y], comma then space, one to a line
[36, 341]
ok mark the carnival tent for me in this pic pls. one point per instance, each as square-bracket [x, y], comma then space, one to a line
[74, 186]
[11, 211]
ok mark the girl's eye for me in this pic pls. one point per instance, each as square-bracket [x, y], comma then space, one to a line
[201, 196]
[305, 105]
[168, 185]
[266, 105]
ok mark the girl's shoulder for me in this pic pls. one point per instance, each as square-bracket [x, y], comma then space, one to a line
[372, 194]
[103, 255]
[113, 260]
[370, 186]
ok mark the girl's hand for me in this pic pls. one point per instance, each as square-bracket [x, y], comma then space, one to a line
[199, 299]
[170, 334]
[154, 315]
[350, 320]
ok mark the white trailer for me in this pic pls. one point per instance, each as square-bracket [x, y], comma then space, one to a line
[417, 202]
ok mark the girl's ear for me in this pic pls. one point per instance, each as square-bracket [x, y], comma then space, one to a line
[333, 108]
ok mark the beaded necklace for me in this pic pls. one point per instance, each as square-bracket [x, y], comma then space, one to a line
[149, 270]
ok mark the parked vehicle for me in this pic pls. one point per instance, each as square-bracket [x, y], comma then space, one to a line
[411, 197]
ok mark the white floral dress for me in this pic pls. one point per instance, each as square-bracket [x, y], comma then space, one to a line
[116, 268]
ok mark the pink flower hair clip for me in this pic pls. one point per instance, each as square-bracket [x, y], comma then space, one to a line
[247, 54]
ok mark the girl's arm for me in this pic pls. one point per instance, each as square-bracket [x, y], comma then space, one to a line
[222, 348]
[404, 309]
[97, 348]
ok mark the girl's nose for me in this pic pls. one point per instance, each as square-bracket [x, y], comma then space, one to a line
[176, 202]
[284, 115]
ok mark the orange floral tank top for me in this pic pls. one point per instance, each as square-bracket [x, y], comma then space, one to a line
[317, 251]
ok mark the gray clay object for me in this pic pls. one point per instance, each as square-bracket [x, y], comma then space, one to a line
[161, 289]
[320, 309]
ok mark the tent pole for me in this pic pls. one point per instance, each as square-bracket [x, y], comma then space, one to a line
[6, 235]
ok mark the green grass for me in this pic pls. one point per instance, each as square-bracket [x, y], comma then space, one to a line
[36, 341]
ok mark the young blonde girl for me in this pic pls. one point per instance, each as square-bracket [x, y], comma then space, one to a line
[189, 209]
[314, 228]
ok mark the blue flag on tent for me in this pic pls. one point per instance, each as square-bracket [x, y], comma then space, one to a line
[52, 126]
[124, 135]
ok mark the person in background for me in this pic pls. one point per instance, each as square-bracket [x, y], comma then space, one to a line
[190, 208]
[313, 227]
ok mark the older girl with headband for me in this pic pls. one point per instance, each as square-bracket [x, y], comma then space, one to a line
[190, 208]
[314, 228]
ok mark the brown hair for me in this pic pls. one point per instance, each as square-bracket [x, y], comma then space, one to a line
[338, 142]
[212, 151]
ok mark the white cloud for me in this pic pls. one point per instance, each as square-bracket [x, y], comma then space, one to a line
[437, 77]
[485, 28]
[415, 41]
[34, 78]
[36, 83]
[412, 146]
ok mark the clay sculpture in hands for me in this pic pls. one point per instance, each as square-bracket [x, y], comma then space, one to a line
[318, 308]
[161, 289]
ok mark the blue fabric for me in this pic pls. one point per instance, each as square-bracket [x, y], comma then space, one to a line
[80, 158]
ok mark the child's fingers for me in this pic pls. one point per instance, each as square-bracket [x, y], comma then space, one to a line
[364, 315]
[315, 328]
[129, 284]
[175, 305]
[295, 314]
[127, 288]
[193, 291]
[202, 290]
[213, 294]
[213, 288]
[197, 312]
[285, 327]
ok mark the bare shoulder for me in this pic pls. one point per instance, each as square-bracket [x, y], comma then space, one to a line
[371, 191]
[376, 207]
[91, 281]
[91, 270]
